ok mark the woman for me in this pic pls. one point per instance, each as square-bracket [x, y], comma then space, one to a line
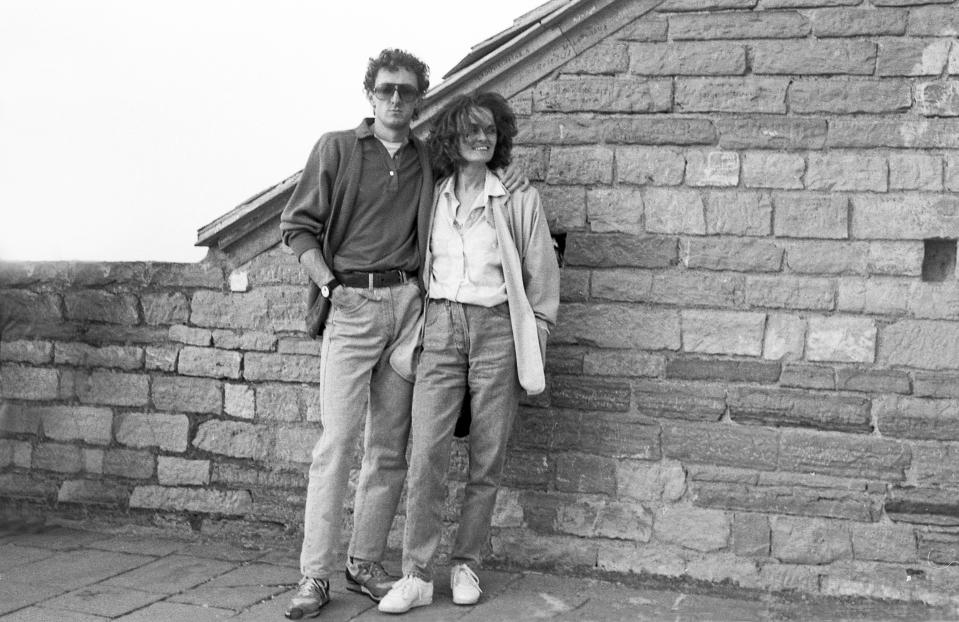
[492, 294]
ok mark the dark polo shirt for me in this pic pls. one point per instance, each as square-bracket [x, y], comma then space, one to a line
[381, 233]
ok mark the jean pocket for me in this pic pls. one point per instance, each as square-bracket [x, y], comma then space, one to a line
[501, 309]
[347, 299]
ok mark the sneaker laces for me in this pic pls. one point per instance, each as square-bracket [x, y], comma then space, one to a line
[310, 585]
[377, 571]
[407, 586]
[470, 577]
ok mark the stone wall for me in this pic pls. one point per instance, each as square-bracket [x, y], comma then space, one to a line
[750, 380]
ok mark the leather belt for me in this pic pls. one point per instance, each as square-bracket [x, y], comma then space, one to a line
[373, 279]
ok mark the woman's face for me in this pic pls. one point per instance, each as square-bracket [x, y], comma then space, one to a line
[479, 141]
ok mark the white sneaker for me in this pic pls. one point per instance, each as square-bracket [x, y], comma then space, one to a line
[465, 584]
[408, 592]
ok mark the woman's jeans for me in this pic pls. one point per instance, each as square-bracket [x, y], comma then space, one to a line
[467, 350]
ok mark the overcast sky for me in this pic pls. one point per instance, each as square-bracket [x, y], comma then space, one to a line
[126, 125]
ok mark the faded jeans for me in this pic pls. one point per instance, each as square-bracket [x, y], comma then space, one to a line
[357, 384]
[465, 347]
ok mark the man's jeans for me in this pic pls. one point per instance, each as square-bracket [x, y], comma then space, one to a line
[464, 347]
[357, 384]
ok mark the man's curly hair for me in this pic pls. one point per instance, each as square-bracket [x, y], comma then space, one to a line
[394, 59]
[453, 122]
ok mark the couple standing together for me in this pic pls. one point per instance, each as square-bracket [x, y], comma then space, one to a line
[439, 292]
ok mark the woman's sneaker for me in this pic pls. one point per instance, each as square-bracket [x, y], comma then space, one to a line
[408, 592]
[465, 584]
[368, 578]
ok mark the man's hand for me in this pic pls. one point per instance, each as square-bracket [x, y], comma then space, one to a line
[312, 261]
[513, 178]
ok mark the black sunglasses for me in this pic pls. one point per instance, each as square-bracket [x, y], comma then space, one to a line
[384, 92]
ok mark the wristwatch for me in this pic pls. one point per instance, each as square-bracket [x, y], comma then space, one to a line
[327, 288]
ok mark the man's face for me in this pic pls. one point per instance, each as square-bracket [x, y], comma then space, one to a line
[394, 112]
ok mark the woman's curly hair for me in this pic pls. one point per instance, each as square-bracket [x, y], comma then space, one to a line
[394, 59]
[453, 122]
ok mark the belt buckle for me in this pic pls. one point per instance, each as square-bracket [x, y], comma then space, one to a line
[403, 276]
[369, 278]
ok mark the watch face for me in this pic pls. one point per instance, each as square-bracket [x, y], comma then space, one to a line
[325, 291]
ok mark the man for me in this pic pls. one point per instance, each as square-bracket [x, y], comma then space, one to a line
[352, 223]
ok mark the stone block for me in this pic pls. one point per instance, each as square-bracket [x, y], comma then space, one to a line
[690, 368]
[295, 444]
[937, 547]
[18, 382]
[114, 388]
[679, 6]
[674, 211]
[606, 57]
[790, 292]
[238, 401]
[802, 215]
[589, 394]
[165, 308]
[785, 337]
[606, 435]
[846, 22]
[537, 550]
[712, 168]
[925, 344]
[738, 213]
[27, 309]
[813, 57]
[722, 444]
[615, 210]
[687, 59]
[580, 165]
[57, 458]
[92, 492]
[952, 171]
[810, 257]
[808, 377]
[616, 130]
[841, 339]
[650, 558]
[694, 401]
[618, 326]
[918, 418]
[905, 216]
[190, 335]
[728, 253]
[687, 288]
[795, 408]
[650, 481]
[26, 351]
[692, 528]
[204, 501]
[605, 519]
[810, 541]
[603, 94]
[160, 358]
[246, 340]
[581, 473]
[836, 171]
[239, 310]
[789, 500]
[209, 362]
[285, 367]
[93, 461]
[650, 165]
[101, 306]
[762, 169]
[528, 469]
[17, 419]
[884, 543]
[194, 395]
[650, 28]
[771, 132]
[938, 99]
[565, 207]
[912, 57]
[751, 535]
[923, 506]
[738, 25]
[926, 384]
[77, 423]
[843, 455]
[872, 380]
[622, 363]
[849, 96]
[574, 285]
[736, 95]
[915, 171]
[928, 133]
[723, 332]
[233, 438]
[167, 432]
[128, 358]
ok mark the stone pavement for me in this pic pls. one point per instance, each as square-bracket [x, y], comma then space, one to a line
[64, 573]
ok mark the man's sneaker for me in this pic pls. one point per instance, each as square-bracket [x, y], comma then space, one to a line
[465, 584]
[312, 595]
[368, 578]
[408, 592]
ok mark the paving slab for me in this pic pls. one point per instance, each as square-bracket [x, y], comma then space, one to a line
[222, 551]
[172, 574]
[171, 612]
[13, 555]
[534, 596]
[72, 569]
[15, 595]
[343, 607]
[103, 600]
[156, 547]
[40, 614]
[57, 537]
[257, 574]
[234, 598]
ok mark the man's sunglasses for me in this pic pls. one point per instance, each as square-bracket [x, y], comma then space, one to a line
[384, 92]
